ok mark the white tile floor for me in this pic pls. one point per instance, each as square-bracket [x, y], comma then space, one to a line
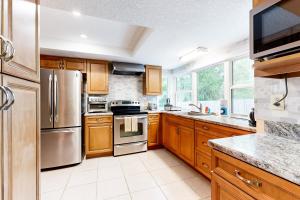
[154, 175]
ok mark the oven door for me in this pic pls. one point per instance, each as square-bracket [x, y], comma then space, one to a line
[122, 137]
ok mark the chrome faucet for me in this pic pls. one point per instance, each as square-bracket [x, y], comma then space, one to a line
[199, 108]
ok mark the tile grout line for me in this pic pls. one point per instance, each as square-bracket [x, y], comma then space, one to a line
[61, 197]
[123, 173]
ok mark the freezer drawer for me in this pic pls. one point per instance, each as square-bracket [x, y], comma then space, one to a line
[60, 147]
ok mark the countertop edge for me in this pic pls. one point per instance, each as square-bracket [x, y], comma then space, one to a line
[256, 162]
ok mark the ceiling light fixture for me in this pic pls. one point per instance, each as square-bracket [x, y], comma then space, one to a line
[194, 53]
[83, 36]
[76, 13]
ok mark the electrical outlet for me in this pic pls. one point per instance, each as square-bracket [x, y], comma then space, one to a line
[275, 98]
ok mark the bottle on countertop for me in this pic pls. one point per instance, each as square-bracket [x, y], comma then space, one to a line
[223, 107]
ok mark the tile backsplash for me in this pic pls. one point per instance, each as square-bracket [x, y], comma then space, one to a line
[127, 87]
[265, 88]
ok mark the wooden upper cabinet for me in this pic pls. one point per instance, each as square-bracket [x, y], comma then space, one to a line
[21, 135]
[153, 80]
[75, 64]
[21, 27]
[257, 2]
[51, 62]
[97, 77]
[56, 62]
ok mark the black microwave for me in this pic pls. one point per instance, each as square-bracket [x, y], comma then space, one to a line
[275, 29]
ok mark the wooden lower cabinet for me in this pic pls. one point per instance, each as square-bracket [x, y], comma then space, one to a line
[98, 136]
[21, 141]
[154, 131]
[235, 179]
[186, 144]
[179, 138]
[203, 163]
[224, 190]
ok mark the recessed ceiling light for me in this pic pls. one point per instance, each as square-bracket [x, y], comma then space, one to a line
[194, 53]
[76, 13]
[83, 36]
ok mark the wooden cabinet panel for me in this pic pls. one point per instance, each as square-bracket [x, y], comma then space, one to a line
[173, 137]
[203, 163]
[264, 185]
[187, 148]
[153, 80]
[202, 141]
[154, 131]
[98, 135]
[97, 77]
[21, 26]
[21, 133]
[75, 64]
[100, 138]
[51, 62]
[223, 190]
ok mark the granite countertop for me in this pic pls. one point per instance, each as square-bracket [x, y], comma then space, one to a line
[98, 114]
[218, 120]
[274, 154]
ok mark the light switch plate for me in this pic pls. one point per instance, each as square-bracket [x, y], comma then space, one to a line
[275, 98]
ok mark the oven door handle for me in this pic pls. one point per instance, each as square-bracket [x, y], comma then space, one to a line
[120, 118]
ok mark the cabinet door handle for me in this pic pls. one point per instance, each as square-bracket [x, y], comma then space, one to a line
[3, 46]
[6, 97]
[205, 165]
[10, 55]
[255, 183]
[11, 98]
[204, 143]
[205, 127]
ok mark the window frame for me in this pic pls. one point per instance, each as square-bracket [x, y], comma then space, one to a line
[180, 91]
[236, 86]
[168, 86]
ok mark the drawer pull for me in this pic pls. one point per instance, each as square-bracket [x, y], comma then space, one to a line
[254, 183]
[205, 165]
[204, 143]
[205, 127]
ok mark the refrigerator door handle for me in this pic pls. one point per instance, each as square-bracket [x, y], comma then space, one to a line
[55, 98]
[2, 107]
[50, 93]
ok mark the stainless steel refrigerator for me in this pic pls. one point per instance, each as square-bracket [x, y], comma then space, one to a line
[60, 118]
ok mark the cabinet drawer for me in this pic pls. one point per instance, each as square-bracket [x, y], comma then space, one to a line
[189, 123]
[219, 131]
[203, 163]
[98, 119]
[153, 117]
[202, 141]
[256, 182]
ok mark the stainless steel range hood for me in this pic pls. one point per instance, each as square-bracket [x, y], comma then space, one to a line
[127, 68]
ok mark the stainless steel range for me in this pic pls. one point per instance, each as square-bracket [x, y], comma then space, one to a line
[130, 127]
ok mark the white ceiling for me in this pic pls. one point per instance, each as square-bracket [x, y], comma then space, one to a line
[150, 32]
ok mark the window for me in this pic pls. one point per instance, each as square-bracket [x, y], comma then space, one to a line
[242, 87]
[184, 90]
[210, 87]
[163, 98]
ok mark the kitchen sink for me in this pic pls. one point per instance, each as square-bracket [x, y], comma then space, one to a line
[199, 113]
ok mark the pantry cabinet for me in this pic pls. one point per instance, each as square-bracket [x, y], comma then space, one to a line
[154, 131]
[19, 100]
[153, 80]
[97, 77]
[235, 179]
[98, 135]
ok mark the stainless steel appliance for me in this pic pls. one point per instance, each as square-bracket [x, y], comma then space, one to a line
[126, 142]
[60, 118]
[96, 104]
[275, 29]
